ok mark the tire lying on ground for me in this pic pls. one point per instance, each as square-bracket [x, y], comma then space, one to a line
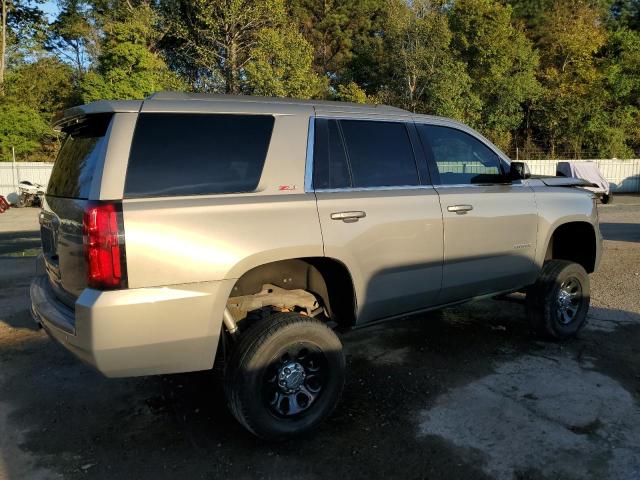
[285, 376]
[557, 304]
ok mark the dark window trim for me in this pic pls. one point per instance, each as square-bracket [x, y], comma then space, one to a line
[424, 177]
[147, 196]
[419, 155]
[345, 150]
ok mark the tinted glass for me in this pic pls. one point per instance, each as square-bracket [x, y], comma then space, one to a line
[192, 154]
[460, 158]
[379, 153]
[330, 161]
[81, 150]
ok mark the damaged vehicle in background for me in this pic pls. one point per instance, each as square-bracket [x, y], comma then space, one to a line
[30, 194]
[589, 172]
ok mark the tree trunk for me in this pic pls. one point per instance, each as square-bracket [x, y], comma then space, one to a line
[232, 69]
[3, 48]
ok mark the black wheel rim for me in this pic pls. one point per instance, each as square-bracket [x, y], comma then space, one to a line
[294, 380]
[568, 300]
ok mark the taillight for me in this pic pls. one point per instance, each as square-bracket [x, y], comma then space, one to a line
[103, 238]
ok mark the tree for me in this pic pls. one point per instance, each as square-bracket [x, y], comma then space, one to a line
[336, 29]
[614, 130]
[281, 66]
[351, 92]
[501, 62]
[74, 35]
[21, 128]
[570, 37]
[626, 13]
[424, 74]
[44, 85]
[34, 93]
[217, 37]
[128, 65]
[20, 24]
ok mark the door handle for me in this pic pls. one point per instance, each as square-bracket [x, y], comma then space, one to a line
[460, 209]
[348, 217]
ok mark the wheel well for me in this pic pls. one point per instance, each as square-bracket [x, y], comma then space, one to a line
[326, 279]
[576, 242]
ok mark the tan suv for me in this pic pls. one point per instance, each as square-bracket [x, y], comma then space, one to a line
[187, 231]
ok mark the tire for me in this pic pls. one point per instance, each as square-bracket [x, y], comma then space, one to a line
[285, 376]
[557, 304]
[607, 198]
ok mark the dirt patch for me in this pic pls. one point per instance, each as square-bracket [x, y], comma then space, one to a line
[546, 414]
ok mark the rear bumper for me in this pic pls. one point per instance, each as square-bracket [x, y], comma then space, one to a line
[133, 332]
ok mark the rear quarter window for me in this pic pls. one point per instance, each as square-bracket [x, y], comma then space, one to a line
[197, 154]
[81, 152]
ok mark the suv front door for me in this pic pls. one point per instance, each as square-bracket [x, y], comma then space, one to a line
[490, 223]
[378, 213]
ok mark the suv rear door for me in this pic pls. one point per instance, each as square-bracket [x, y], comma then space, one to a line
[378, 212]
[490, 223]
[78, 166]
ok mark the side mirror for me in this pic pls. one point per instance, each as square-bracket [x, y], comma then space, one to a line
[519, 171]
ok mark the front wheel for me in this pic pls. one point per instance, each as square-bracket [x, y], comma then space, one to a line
[607, 198]
[557, 304]
[285, 376]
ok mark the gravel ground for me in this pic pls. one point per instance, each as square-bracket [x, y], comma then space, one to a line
[467, 392]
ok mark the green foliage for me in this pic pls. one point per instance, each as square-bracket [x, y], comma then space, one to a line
[551, 77]
[351, 92]
[22, 128]
[501, 63]
[43, 85]
[425, 75]
[614, 129]
[26, 27]
[337, 29]
[281, 66]
[127, 67]
[570, 75]
[218, 37]
[74, 35]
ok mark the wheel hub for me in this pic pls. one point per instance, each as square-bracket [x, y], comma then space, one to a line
[291, 377]
[295, 379]
[568, 300]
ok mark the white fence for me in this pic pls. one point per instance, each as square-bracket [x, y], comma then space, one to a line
[35, 172]
[624, 175]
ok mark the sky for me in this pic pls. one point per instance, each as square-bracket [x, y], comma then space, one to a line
[50, 8]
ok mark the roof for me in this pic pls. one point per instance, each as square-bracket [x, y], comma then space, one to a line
[102, 106]
[113, 106]
[323, 104]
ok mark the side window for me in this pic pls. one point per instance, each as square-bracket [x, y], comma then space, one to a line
[330, 161]
[379, 153]
[196, 154]
[459, 157]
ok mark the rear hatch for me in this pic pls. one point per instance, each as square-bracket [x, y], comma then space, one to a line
[61, 223]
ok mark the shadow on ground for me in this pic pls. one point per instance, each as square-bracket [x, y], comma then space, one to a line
[622, 232]
[398, 372]
[15, 242]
